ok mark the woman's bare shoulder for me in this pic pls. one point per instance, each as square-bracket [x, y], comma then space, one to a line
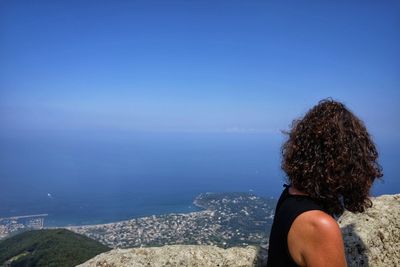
[318, 221]
[315, 239]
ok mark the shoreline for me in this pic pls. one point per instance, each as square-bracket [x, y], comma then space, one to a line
[194, 203]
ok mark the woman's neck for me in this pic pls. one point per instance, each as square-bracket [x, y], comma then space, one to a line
[294, 191]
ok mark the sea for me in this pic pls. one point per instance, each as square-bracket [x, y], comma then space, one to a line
[92, 178]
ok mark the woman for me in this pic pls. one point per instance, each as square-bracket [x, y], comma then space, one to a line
[331, 162]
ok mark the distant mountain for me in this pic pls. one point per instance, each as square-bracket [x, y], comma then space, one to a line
[51, 247]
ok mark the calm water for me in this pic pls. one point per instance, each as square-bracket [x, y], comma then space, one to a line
[98, 179]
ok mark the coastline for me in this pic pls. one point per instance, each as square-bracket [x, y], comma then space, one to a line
[226, 219]
[223, 218]
[194, 205]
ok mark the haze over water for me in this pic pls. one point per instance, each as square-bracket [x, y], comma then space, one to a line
[86, 180]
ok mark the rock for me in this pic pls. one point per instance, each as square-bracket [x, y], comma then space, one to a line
[372, 238]
[180, 255]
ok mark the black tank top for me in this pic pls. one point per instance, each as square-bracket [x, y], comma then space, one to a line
[287, 209]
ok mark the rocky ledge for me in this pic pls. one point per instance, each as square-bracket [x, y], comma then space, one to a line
[371, 239]
[180, 255]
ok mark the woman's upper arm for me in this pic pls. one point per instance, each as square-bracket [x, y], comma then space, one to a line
[316, 240]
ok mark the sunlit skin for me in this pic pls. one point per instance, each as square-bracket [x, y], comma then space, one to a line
[315, 240]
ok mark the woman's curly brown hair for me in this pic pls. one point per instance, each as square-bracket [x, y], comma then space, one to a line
[331, 157]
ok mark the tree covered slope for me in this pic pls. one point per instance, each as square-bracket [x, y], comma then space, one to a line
[50, 247]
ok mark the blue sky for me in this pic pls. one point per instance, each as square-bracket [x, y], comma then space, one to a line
[195, 66]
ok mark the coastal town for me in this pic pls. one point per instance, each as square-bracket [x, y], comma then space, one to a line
[16, 224]
[228, 219]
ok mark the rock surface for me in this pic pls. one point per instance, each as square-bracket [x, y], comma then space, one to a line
[179, 255]
[371, 239]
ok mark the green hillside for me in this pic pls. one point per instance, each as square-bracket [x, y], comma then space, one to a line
[52, 247]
